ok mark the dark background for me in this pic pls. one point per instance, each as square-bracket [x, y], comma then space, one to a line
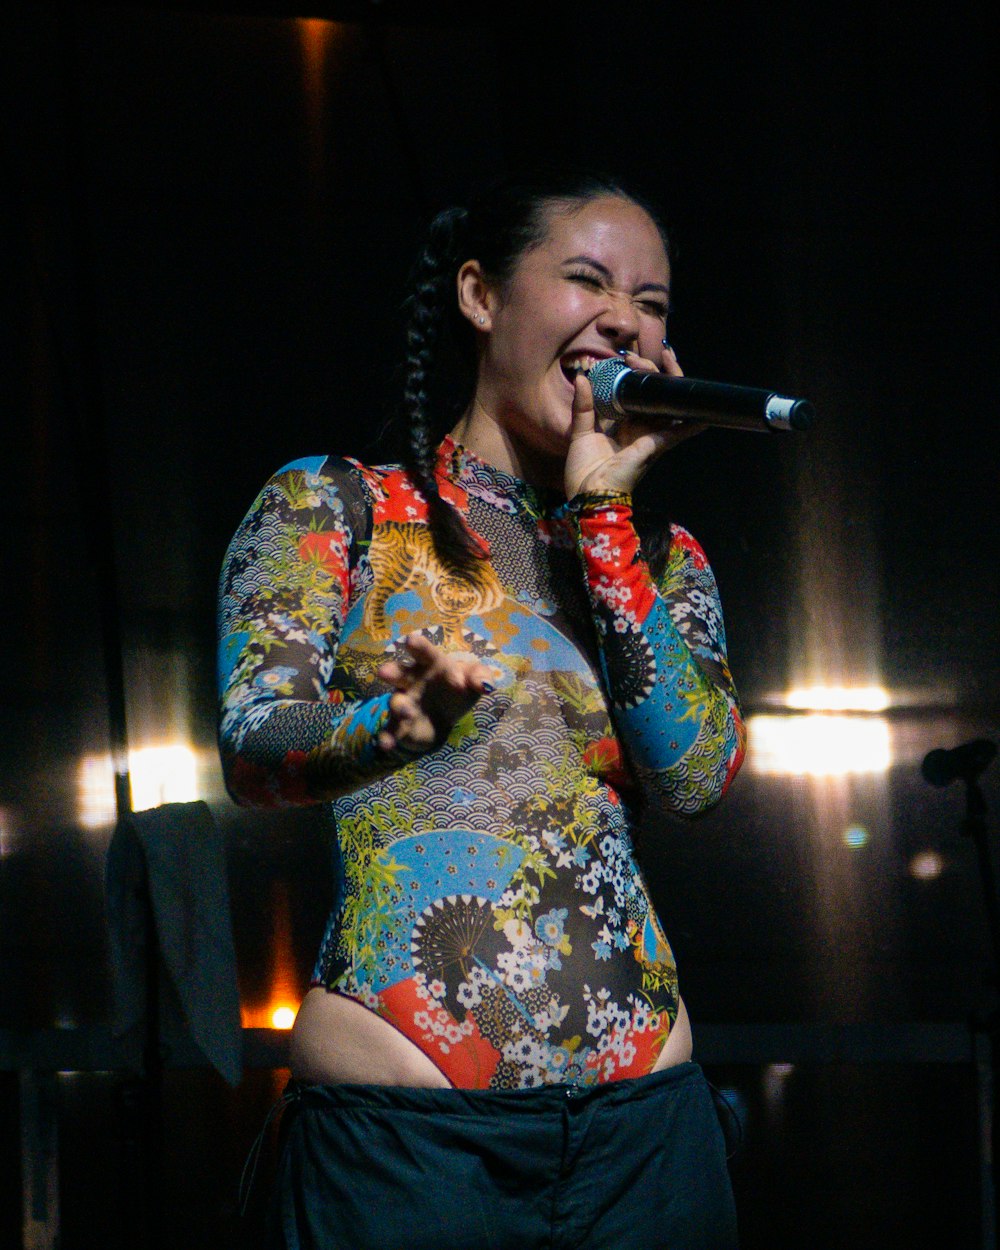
[208, 219]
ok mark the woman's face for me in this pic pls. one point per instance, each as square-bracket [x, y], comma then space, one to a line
[598, 282]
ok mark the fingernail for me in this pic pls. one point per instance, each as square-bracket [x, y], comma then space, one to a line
[623, 351]
[488, 687]
[666, 344]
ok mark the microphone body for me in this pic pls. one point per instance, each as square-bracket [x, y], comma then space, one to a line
[620, 391]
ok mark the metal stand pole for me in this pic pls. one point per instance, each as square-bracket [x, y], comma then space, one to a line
[986, 1040]
[965, 763]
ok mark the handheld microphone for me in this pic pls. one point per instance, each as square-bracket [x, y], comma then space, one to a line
[620, 391]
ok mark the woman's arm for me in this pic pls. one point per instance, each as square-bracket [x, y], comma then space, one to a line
[293, 727]
[663, 646]
[292, 731]
[663, 653]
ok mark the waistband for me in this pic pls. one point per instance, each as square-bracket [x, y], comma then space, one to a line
[489, 1102]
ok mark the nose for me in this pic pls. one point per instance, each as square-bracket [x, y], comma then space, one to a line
[619, 320]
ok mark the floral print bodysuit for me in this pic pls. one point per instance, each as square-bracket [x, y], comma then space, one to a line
[492, 907]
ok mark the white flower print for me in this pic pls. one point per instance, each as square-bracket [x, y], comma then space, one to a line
[517, 932]
[468, 995]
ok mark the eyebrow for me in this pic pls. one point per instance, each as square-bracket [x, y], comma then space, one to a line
[606, 272]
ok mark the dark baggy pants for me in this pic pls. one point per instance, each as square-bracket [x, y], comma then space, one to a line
[634, 1163]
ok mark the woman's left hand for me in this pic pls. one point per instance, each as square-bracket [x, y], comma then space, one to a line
[613, 455]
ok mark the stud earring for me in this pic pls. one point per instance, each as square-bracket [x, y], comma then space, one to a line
[481, 319]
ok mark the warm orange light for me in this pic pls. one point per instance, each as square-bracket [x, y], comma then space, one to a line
[316, 37]
[315, 34]
[278, 1003]
[283, 1017]
[277, 1014]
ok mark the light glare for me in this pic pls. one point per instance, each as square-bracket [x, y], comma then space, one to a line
[818, 745]
[283, 1017]
[164, 774]
[926, 866]
[838, 699]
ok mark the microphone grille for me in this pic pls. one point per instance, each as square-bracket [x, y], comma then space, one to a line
[602, 377]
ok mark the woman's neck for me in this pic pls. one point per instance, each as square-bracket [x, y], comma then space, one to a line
[493, 442]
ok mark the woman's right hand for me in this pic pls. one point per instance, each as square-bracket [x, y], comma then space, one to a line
[609, 455]
[432, 690]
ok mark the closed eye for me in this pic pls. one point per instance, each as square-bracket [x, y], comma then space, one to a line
[586, 277]
[654, 308]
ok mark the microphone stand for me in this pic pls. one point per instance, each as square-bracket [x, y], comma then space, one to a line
[986, 1029]
[974, 825]
[985, 1023]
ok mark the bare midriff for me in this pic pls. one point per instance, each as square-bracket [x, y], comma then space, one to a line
[338, 1041]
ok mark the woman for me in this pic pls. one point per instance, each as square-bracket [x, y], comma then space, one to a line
[472, 656]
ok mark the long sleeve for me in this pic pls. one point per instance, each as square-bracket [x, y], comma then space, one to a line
[663, 655]
[292, 730]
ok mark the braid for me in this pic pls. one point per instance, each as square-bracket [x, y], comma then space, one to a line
[430, 307]
[655, 540]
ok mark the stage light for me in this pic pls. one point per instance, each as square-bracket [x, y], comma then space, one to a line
[317, 37]
[818, 745]
[926, 866]
[283, 1017]
[837, 699]
[278, 1004]
[161, 774]
[96, 791]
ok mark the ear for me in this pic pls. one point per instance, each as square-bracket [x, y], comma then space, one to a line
[475, 296]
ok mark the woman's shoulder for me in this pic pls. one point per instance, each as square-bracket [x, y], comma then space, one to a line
[329, 466]
[362, 495]
[343, 473]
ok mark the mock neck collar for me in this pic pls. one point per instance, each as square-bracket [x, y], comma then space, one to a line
[481, 480]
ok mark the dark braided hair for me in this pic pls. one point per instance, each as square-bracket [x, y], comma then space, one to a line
[504, 221]
[431, 305]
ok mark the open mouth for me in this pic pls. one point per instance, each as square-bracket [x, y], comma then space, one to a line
[573, 363]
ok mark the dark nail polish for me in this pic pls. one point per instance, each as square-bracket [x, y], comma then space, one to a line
[666, 344]
[488, 687]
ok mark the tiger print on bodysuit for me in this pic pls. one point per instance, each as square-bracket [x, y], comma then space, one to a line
[403, 558]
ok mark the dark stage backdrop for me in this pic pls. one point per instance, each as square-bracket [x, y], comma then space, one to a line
[208, 219]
